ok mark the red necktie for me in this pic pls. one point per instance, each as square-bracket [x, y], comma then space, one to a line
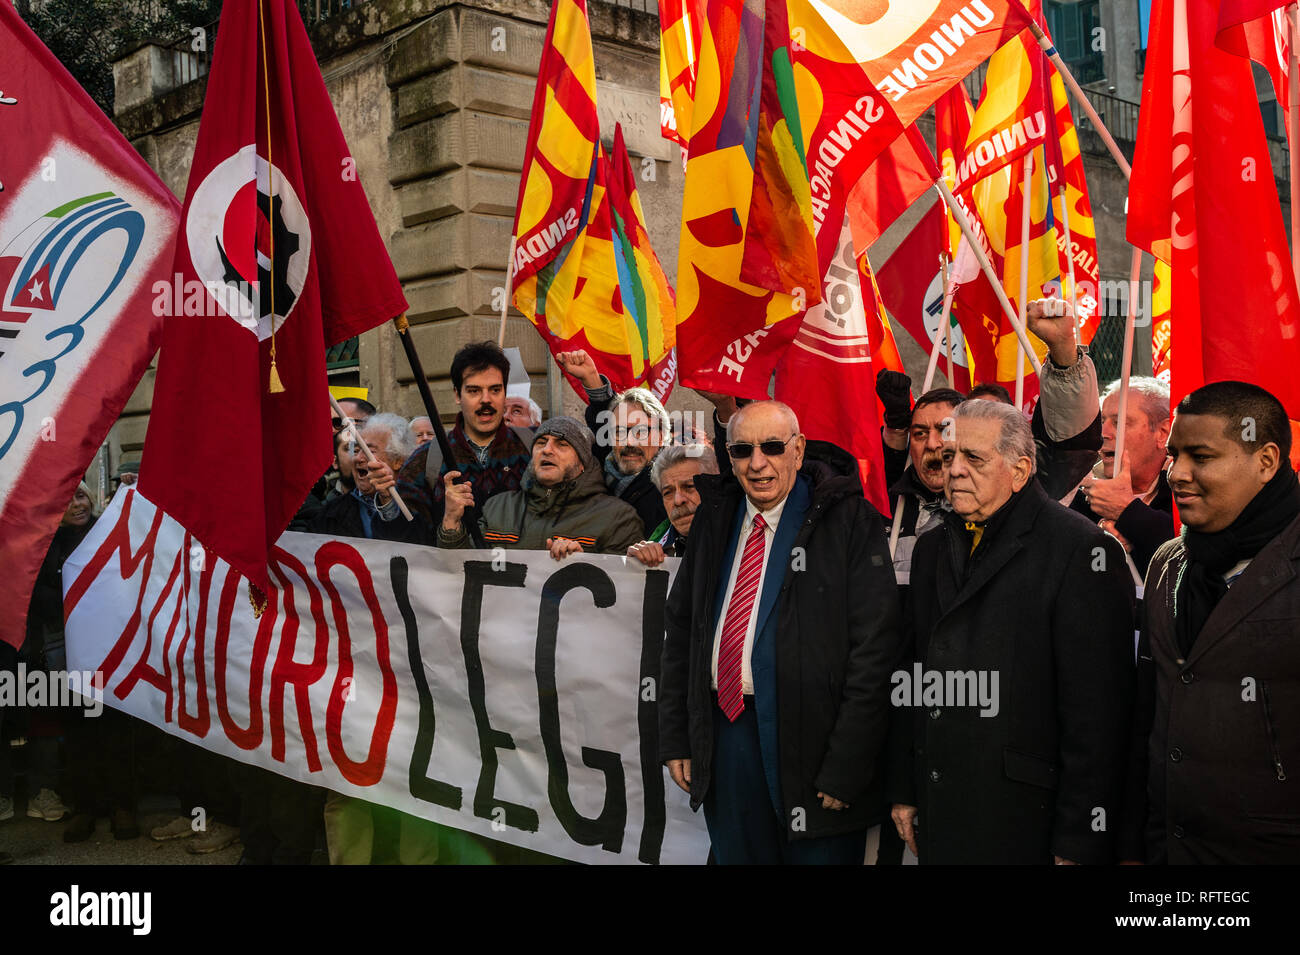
[731, 649]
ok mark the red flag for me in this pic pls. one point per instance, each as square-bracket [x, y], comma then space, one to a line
[268, 130]
[897, 178]
[911, 287]
[85, 233]
[1203, 198]
[827, 377]
[1257, 29]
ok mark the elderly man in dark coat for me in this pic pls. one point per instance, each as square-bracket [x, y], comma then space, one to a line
[782, 629]
[1222, 624]
[1010, 742]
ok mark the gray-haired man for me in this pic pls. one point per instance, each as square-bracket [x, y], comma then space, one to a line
[673, 474]
[1009, 745]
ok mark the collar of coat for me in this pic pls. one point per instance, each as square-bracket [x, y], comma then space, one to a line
[504, 444]
[586, 485]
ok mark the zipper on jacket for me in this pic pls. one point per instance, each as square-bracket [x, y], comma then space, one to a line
[1272, 735]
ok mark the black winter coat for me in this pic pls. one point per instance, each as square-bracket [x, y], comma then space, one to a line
[1224, 749]
[1046, 604]
[838, 635]
[341, 517]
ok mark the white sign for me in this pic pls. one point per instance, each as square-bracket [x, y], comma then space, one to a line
[497, 692]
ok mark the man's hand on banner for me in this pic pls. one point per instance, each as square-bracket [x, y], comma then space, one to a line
[680, 771]
[649, 553]
[459, 498]
[562, 547]
[579, 364]
[1052, 320]
[905, 822]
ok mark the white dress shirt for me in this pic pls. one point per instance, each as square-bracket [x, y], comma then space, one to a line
[772, 517]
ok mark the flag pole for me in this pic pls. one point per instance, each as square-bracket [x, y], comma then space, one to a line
[1077, 92]
[1293, 131]
[350, 425]
[470, 518]
[941, 335]
[1069, 248]
[969, 233]
[1134, 278]
[948, 295]
[1024, 274]
[505, 303]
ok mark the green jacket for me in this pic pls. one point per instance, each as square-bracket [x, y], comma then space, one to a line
[580, 509]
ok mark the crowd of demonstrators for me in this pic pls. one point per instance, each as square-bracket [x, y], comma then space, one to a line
[1066, 426]
[1013, 571]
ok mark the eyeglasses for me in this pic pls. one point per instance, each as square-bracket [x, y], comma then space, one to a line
[771, 449]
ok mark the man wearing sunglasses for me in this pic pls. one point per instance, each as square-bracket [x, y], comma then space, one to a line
[782, 629]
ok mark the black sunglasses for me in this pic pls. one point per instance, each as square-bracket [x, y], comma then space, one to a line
[743, 449]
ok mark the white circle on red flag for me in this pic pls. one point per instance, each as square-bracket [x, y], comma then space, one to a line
[228, 230]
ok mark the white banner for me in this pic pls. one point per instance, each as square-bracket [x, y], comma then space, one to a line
[499, 692]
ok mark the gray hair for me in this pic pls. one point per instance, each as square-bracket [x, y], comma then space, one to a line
[422, 417]
[401, 439]
[675, 454]
[1152, 394]
[1015, 438]
[780, 405]
[652, 406]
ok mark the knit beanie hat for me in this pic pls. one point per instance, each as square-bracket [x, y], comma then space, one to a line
[573, 431]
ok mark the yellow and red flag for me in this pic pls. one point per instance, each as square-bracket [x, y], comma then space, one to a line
[563, 134]
[680, 24]
[649, 306]
[731, 331]
[1161, 327]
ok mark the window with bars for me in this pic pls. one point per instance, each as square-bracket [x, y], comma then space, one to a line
[1072, 26]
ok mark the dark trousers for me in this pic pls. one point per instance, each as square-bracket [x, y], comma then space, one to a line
[744, 827]
[278, 817]
[100, 761]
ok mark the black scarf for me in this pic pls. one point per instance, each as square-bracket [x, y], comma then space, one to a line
[1200, 584]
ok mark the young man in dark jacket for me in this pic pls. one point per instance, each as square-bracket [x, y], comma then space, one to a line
[1219, 661]
[782, 630]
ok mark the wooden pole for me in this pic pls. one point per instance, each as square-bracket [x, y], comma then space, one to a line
[1025, 195]
[1134, 278]
[1079, 98]
[968, 231]
[941, 336]
[470, 519]
[1069, 246]
[350, 425]
[948, 294]
[505, 303]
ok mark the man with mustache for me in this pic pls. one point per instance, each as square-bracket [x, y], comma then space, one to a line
[630, 429]
[674, 473]
[1220, 663]
[490, 454]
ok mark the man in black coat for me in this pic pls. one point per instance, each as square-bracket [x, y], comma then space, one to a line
[1011, 741]
[782, 630]
[1220, 685]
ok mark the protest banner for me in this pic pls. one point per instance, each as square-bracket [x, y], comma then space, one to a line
[498, 692]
